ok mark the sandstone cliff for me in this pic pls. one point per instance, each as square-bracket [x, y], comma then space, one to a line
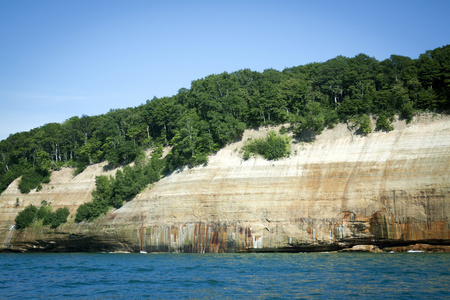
[385, 189]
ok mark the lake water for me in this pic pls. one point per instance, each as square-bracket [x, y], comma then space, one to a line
[225, 276]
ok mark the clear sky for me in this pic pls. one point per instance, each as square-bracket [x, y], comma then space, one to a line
[61, 58]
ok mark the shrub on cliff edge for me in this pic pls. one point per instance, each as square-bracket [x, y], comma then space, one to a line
[272, 147]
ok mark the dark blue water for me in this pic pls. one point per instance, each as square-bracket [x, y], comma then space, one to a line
[227, 276]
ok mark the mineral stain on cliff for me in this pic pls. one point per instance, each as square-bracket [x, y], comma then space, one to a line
[388, 190]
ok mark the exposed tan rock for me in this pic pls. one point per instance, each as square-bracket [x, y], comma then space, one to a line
[382, 189]
[363, 248]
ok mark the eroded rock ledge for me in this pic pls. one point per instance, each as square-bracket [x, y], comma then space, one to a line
[388, 190]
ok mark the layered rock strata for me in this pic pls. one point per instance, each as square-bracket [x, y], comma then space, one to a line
[383, 189]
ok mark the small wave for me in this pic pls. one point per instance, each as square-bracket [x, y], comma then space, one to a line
[415, 251]
[213, 282]
[145, 269]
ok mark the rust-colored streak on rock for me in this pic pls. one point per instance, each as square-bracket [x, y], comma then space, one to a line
[141, 238]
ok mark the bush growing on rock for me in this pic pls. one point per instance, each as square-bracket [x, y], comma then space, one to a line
[26, 217]
[272, 147]
[59, 217]
[31, 214]
[383, 123]
[365, 124]
[44, 213]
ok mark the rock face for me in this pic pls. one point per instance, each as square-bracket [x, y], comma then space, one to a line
[384, 189]
[363, 248]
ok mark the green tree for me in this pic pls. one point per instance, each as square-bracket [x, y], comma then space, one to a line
[44, 213]
[291, 93]
[383, 123]
[366, 124]
[442, 84]
[32, 178]
[26, 217]
[312, 122]
[331, 78]
[59, 217]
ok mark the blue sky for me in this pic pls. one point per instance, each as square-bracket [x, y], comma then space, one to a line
[60, 59]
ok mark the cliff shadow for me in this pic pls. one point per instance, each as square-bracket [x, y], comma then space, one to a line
[307, 135]
[108, 167]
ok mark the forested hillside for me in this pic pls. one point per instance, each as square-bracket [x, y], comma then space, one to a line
[217, 109]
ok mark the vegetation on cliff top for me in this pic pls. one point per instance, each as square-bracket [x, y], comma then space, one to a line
[216, 110]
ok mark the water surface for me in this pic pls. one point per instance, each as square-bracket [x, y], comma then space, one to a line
[228, 276]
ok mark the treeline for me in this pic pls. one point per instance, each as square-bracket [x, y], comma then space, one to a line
[217, 109]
